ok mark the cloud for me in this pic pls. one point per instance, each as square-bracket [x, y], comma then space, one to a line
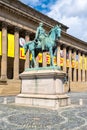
[31, 2]
[72, 13]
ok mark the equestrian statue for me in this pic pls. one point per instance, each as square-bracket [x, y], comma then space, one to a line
[44, 42]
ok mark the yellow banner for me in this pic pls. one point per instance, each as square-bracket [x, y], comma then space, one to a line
[10, 45]
[86, 63]
[30, 56]
[55, 60]
[22, 56]
[0, 43]
[67, 63]
[76, 64]
[40, 57]
[73, 64]
[61, 61]
[48, 59]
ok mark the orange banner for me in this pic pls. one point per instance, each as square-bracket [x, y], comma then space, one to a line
[22, 56]
[48, 59]
[73, 64]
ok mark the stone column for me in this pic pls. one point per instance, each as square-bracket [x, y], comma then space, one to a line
[16, 54]
[74, 73]
[58, 56]
[4, 52]
[83, 68]
[70, 65]
[27, 61]
[64, 64]
[79, 68]
[44, 63]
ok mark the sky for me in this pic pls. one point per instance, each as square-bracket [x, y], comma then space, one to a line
[72, 13]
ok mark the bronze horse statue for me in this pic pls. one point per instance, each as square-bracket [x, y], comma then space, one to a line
[49, 44]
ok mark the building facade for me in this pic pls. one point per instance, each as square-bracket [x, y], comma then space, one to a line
[20, 21]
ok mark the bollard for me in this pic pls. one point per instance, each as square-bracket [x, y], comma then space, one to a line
[81, 102]
[5, 101]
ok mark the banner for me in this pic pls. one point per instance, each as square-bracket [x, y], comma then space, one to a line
[61, 61]
[67, 60]
[77, 61]
[10, 45]
[40, 57]
[48, 59]
[30, 56]
[67, 63]
[22, 56]
[76, 64]
[0, 43]
[61, 57]
[85, 63]
[73, 60]
[55, 60]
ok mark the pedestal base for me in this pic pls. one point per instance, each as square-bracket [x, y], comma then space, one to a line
[43, 88]
[45, 101]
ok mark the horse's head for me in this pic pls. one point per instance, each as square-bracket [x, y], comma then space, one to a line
[55, 32]
[58, 31]
[25, 48]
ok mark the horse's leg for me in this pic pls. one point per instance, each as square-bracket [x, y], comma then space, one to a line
[33, 58]
[51, 56]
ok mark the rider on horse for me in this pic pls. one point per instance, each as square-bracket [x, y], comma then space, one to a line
[40, 35]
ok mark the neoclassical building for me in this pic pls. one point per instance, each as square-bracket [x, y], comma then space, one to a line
[18, 20]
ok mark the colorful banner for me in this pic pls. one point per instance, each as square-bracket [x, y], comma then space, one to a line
[48, 59]
[77, 64]
[67, 60]
[61, 61]
[30, 56]
[77, 61]
[61, 57]
[84, 63]
[10, 45]
[67, 63]
[73, 64]
[40, 57]
[0, 43]
[55, 60]
[22, 56]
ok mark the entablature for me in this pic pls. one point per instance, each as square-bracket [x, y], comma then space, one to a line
[26, 11]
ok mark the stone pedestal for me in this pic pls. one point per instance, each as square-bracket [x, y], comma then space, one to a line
[42, 88]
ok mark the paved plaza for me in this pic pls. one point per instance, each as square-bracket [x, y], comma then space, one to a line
[73, 117]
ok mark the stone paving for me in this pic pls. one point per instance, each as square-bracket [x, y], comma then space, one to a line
[73, 117]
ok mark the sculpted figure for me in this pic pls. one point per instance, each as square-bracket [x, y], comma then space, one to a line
[40, 35]
[44, 42]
